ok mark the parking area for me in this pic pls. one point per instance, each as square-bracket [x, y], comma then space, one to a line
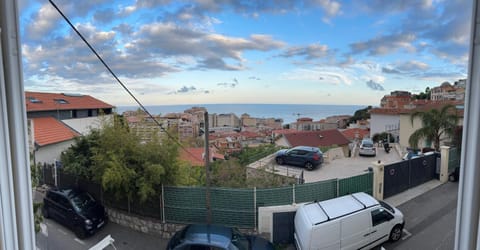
[337, 168]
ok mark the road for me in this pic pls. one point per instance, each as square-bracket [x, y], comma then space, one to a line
[430, 219]
[55, 236]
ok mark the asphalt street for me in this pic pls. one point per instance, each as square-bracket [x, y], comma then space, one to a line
[55, 236]
[430, 220]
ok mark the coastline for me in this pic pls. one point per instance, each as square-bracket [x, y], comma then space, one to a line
[288, 112]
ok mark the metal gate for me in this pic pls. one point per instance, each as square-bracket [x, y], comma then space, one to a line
[406, 174]
[283, 224]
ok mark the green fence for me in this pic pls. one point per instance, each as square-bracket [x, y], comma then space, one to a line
[238, 207]
[232, 207]
[453, 159]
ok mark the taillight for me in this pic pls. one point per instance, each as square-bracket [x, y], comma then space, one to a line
[316, 157]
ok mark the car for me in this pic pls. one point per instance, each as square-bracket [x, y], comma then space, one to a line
[304, 156]
[209, 236]
[75, 209]
[411, 155]
[367, 148]
[354, 221]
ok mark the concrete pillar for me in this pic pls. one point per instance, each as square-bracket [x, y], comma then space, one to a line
[444, 152]
[378, 173]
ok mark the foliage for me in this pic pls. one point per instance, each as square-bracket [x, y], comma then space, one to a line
[435, 125]
[382, 137]
[228, 174]
[78, 159]
[37, 215]
[249, 155]
[423, 95]
[122, 163]
[361, 114]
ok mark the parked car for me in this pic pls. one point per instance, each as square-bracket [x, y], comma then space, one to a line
[207, 237]
[75, 209]
[355, 221]
[411, 155]
[367, 148]
[308, 157]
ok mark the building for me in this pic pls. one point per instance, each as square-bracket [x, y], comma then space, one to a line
[223, 120]
[307, 124]
[446, 91]
[55, 119]
[196, 156]
[396, 99]
[386, 120]
[407, 128]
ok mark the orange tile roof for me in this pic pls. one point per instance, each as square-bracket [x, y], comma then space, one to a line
[320, 138]
[48, 130]
[355, 133]
[195, 156]
[38, 101]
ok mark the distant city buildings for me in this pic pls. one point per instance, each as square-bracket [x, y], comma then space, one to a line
[446, 91]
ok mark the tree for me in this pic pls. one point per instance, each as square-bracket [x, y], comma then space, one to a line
[361, 114]
[435, 125]
[122, 163]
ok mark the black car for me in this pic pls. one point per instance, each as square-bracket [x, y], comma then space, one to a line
[207, 237]
[75, 209]
[308, 157]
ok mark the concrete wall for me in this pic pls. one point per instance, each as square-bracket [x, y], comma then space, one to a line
[52, 152]
[265, 218]
[84, 125]
[379, 123]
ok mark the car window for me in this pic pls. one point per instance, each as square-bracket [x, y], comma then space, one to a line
[64, 202]
[380, 216]
[82, 201]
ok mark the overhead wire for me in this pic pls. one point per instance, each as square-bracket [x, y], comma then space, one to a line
[120, 82]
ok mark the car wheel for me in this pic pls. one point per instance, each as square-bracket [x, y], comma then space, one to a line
[396, 233]
[309, 166]
[45, 212]
[280, 161]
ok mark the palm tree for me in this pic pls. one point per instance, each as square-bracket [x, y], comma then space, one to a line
[436, 124]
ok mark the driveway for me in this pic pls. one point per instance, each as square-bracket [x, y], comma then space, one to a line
[337, 168]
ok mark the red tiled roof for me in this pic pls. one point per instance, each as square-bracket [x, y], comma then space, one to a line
[48, 130]
[317, 138]
[38, 101]
[195, 156]
[354, 133]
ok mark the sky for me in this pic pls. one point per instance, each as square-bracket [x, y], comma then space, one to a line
[227, 51]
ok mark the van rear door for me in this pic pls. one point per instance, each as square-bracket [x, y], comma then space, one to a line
[355, 230]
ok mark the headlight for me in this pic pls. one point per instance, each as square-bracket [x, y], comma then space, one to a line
[88, 222]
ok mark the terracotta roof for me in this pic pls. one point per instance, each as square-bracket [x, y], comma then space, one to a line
[48, 130]
[38, 101]
[353, 133]
[195, 156]
[390, 111]
[317, 138]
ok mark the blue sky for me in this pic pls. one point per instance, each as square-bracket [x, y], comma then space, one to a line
[227, 51]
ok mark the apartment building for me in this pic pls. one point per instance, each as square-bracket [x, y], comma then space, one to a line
[447, 91]
[55, 119]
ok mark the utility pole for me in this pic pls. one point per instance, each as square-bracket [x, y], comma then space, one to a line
[207, 170]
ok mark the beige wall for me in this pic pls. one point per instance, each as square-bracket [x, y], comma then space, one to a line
[406, 129]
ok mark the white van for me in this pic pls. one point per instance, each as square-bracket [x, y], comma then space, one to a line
[355, 221]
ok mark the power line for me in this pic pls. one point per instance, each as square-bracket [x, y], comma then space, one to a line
[119, 81]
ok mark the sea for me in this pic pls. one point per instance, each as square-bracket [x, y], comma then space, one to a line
[288, 112]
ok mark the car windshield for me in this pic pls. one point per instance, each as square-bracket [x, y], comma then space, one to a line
[386, 206]
[82, 201]
[368, 145]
